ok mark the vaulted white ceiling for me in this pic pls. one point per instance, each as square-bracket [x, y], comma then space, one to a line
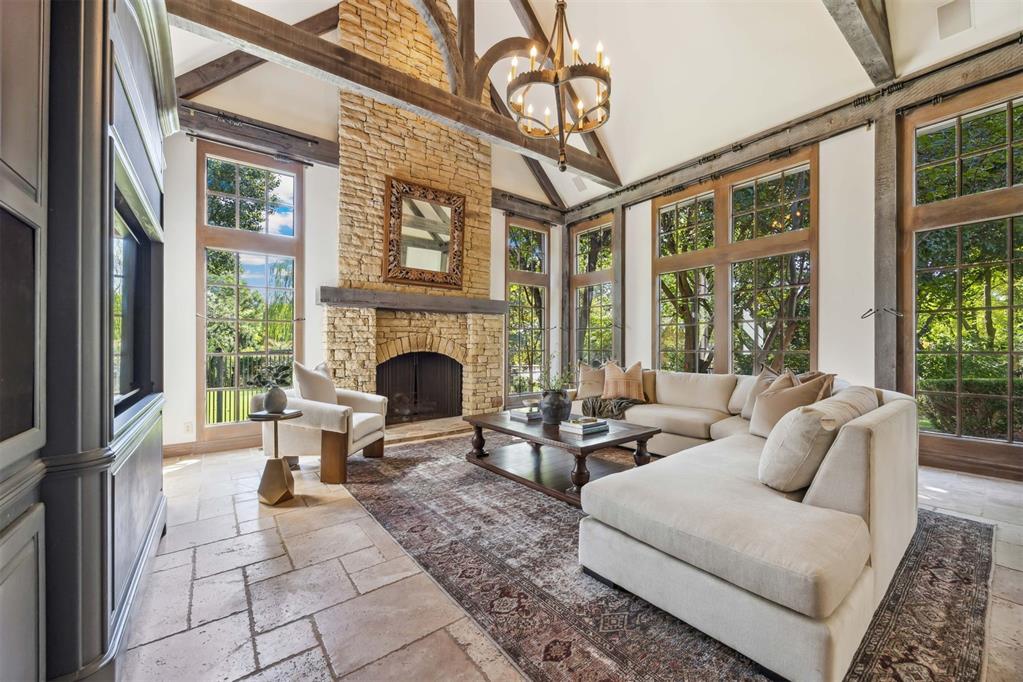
[688, 75]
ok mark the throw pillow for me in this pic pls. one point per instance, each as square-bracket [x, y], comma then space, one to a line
[775, 403]
[619, 383]
[314, 385]
[650, 385]
[760, 384]
[591, 382]
[800, 440]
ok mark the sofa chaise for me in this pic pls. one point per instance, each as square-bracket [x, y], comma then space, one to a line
[790, 579]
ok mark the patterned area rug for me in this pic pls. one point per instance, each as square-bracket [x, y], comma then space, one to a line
[507, 554]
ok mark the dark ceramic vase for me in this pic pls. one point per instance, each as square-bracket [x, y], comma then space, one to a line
[275, 400]
[555, 407]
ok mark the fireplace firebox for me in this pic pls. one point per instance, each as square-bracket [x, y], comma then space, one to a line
[419, 386]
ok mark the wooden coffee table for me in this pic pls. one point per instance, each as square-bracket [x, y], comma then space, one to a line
[551, 461]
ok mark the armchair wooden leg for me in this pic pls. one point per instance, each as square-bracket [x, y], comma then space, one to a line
[333, 457]
[374, 450]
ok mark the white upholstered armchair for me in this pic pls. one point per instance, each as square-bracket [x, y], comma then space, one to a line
[331, 432]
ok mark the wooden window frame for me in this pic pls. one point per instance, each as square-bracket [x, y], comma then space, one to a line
[577, 280]
[233, 239]
[974, 455]
[725, 251]
[542, 279]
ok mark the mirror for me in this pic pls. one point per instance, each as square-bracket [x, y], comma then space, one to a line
[423, 232]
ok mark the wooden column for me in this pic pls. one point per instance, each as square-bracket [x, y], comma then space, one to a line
[886, 234]
[618, 287]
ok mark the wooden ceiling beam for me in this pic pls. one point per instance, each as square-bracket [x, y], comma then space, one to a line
[279, 42]
[865, 27]
[211, 74]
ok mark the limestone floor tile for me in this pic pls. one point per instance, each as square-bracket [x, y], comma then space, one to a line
[1007, 622]
[373, 625]
[435, 657]
[325, 543]
[285, 641]
[1009, 555]
[268, 569]
[1010, 532]
[1008, 584]
[1004, 512]
[163, 608]
[164, 561]
[216, 506]
[1005, 662]
[221, 650]
[182, 509]
[364, 558]
[310, 666]
[484, 653]
[382, 540]
[218, 596]
[248, 509]
[369, 579]
[284, 598]
[320, 516]
[262, 523]
[197, 533]
[235, 552]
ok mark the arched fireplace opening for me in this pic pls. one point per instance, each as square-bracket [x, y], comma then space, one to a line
[420, 385]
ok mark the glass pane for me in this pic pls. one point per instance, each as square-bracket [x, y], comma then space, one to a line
[220, 176]
[936, 142]
[936, 372]
[937, 412]
[220, 371]
[281, 306]
[1017, 120]
[220, 337]
[985, 242]
[251, 303]
[742, 198]
[936, 290]
[280, 336]
[253, 182]
[935, 183]
[1017, 421]
[220, 267]
[986, 287]
[797, 183]
[985, 330]
[526, 249]
[742, 227]
[984, 129]
[220, 211]
[252, 269]
[280, 219]
[936, 248]
[220, 302]
[1017, 165]
[769, 190]
[984, 417]
[251, 337]
[281, 189]
[937, 332]
[985, 172]
[988, 374]
[221, 406]
[252, 215]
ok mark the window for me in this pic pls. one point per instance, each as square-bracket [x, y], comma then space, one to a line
[961, 276]
[686, 320]
[592, 289]
[771, 313]
[250, 281]
[528, 284]
[250, 313]
[737, 250]
[124, 269]
[968, 154]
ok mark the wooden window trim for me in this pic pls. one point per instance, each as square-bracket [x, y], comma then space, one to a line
[985, 457]
[577, 280]
[240, 240]
[543, 279]
[725, 251]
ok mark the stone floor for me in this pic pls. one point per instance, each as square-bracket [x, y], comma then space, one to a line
[316, 589]
[430, 428]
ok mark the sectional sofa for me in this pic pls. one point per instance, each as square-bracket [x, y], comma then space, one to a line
[790, 579]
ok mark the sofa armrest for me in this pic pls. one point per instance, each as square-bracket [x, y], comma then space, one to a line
[320, 416]
[362, 402]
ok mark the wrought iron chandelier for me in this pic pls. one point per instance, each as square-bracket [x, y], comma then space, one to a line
[581, 91]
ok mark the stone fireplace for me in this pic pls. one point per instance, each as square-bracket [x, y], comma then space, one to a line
[376, 141]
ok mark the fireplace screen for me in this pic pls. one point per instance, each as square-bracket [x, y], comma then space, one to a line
[420, 386]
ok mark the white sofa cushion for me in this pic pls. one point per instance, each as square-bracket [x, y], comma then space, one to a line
[729, 427]
[365, 423]
[683, 421]
[706, 507]
[799, 441]
[688, 389]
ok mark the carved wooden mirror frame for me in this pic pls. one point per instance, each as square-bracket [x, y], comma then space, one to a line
[394, 271]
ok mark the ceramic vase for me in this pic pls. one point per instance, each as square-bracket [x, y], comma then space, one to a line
[275, 400]
[555, 407]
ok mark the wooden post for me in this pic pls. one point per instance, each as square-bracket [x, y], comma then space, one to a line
[618, 284]
[886, 233]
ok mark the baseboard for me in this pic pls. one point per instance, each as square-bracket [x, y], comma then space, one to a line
[208, 446]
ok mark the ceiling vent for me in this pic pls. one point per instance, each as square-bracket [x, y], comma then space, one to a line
[955, 17]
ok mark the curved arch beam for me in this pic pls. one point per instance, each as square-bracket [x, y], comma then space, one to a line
[509, 47]
[430, 12]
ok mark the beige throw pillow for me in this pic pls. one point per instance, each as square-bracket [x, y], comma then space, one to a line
[775, 402]
[591, 382]
[620, 383]
[800, 440]
[314, 385]
[650, 385]
[760, 384]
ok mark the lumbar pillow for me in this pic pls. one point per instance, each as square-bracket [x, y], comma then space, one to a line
[314, 385]
[591, 382]
[775, 403]
[620, 383]
[800, 440]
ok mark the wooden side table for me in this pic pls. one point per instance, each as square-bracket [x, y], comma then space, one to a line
[277, 484]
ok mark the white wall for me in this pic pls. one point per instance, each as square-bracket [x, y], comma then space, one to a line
[639, 285]
[180, 353]
[845, 343]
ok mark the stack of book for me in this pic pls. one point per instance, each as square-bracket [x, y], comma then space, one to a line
[525, 414]
[583, 426]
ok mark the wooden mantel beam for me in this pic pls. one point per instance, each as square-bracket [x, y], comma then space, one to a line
[864, 23]
[281, 43]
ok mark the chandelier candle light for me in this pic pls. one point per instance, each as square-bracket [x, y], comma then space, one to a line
[549, 70]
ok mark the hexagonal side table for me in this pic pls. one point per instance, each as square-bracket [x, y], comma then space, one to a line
[277, 484]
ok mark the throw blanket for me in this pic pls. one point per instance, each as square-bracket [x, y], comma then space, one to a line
[613, 408]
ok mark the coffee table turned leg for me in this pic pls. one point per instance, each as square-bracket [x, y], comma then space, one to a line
[580, 475]
[641, 456]
[478, 442]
